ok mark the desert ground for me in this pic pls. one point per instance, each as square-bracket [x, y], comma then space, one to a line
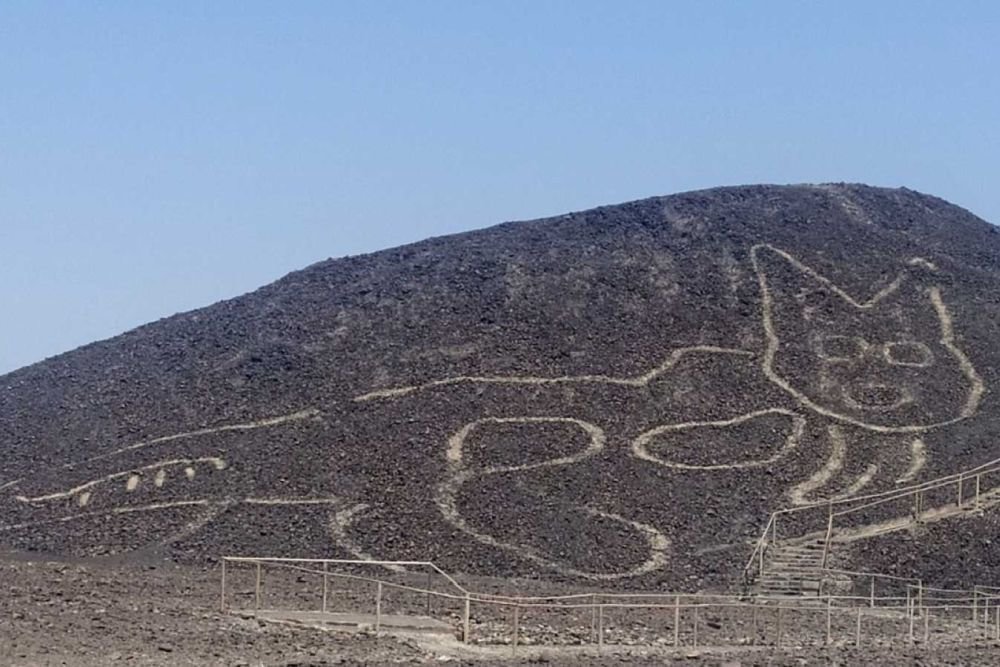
[92, 613]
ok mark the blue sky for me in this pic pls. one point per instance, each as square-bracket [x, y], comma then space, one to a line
[159, 156]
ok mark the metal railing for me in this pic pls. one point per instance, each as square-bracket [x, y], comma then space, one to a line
[962, 482]
[670, 620]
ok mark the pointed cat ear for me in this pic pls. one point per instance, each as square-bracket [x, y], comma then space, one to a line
[793, 288]
[792, 285]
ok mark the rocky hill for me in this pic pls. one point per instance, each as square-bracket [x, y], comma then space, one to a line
[620, 395]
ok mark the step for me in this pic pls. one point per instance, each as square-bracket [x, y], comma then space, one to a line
[811, 572]
[800, 547]
[790, 584]
[788, 591]
[813, 563]
[793, 581]
[792, 576]
[797, 581]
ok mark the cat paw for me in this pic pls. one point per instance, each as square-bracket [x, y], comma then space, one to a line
[515, 484]
[750, 440]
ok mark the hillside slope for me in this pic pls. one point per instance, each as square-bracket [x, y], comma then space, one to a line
[619, 395]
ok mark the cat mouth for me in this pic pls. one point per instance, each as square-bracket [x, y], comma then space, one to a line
[876, 397]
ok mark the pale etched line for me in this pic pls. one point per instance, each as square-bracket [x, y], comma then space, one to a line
[636, 381]
[447, 500]
[7, 485]
[926, 361]
[341, 523]
[857, 485]
[834, 463]
[301, 415]
[217, 462]
[640, 446]
[773, 343]
[847, 203]
[886, 291]
[293, 501]
[203, 519]
[920, 261]
[597, 441]
[153, 507]
[918, 459]
[846, 535]
[656, 541]
[109, 512]
[161, 506]
[948, 341]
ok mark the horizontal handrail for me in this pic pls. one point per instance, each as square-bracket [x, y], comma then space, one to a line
[339, 561]
[759, 547]
[879, 498]
[861, 573]
[612, 600]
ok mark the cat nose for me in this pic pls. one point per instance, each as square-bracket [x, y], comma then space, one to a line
[876, 396]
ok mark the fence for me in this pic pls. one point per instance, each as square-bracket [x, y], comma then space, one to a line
[844, 518]
[336, 588]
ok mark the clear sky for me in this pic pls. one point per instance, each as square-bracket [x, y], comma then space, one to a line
[159, 156]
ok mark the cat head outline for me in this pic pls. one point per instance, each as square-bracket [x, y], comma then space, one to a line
[888, 364]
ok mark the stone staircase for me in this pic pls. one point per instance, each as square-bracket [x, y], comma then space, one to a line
[792, 567]
[792, 570]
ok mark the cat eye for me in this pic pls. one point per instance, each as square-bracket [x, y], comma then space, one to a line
[908, 353]
[840, 348]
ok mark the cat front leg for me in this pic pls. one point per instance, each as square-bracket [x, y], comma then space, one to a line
[861, 463]
[517, 507]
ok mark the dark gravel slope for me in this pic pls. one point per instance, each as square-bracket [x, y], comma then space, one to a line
[618, 395]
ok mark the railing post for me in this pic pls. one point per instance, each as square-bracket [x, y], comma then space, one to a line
[977, 491]
[514, 643]
[919, 506]
[774, 529]
[996, 626]
[222, 592]
[600, 628]
[829, 536]
[777, 641]
[920, 596]
[829, 620]
[466, 619]
[429, 584]
[927, 624]
[753, 626]
[959, 502]
[986, 618]
[378, 607]
[871, 595]
[909, 606]
[975, 604]
[677, 620]
[694, 636]
[256, 591]
[857, 630]
[326, 585]
[593, 618]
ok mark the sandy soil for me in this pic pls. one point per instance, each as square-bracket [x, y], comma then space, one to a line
[89, 614]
